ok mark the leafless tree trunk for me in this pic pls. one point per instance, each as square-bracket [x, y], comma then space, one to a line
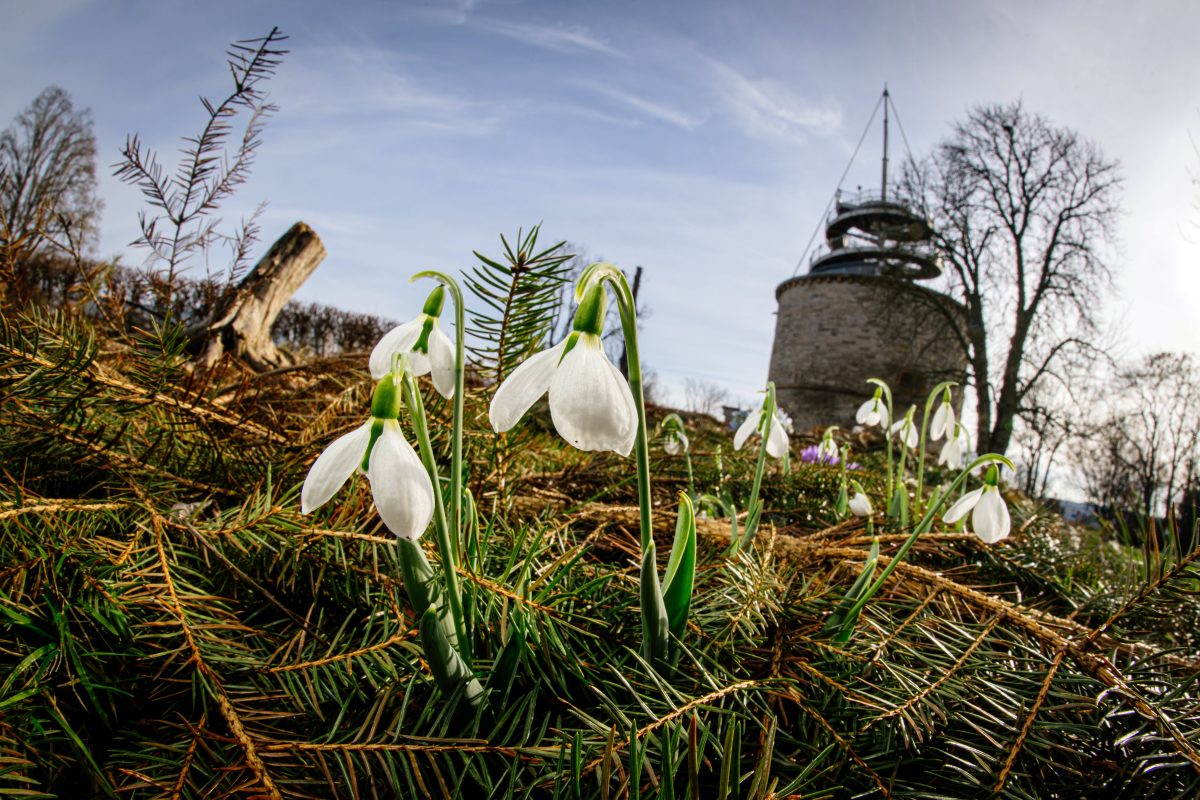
[241, 325]
[1021, 210]
[1141, 455]
[703, 397]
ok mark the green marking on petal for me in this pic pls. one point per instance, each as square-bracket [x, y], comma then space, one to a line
[376, 432]
[422, 343]
[572, 340]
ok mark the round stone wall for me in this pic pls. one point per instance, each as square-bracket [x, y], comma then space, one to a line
[833, 332]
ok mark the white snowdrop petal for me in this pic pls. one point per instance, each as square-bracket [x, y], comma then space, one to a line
[860, 505]
[960, 508]
[333, 467]
[630, 408]
[748, 426]
[990, 519]
[441, 358]
[951, 454]
[671, 447]
[590, 401]
[400, 485]
[777, 440]
[883, 415]
[419, 364]
[523, 387]
[865, 415]
[399, 339]
[938, 427]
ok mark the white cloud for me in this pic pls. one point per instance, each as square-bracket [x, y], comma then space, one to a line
[338, 81]
[560, 38]
[766, 109]
[658, 111]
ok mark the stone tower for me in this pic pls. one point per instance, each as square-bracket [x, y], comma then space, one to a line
[860, 314]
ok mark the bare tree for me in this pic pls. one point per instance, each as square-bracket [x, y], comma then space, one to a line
[1049, 423]
[703, 397]
[1022, 211]
[48, 176]
[1142, 455]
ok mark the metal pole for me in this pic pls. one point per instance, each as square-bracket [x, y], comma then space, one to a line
[883, 181]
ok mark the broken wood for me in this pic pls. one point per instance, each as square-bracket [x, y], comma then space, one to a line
[241, 325]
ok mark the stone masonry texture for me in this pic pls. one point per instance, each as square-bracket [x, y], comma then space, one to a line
[833, 332]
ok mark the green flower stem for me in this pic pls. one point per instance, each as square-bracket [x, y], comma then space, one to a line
[460, 333]
[628, 311]
[753, 510]
[924, 525]
[416, 408]
[899, 507]
[934, 395]
[687, 460]
[764, 431]
[887, 434]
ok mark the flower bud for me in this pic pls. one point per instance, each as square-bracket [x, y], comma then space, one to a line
[385, 402]
[589, 317]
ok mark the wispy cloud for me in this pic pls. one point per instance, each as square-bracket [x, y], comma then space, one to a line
[767, 109]
[360, 78]
[560, 38]
[650, 108]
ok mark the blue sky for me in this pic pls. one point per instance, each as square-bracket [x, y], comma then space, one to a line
[700, 140]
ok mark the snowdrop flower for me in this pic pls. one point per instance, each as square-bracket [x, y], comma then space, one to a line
[860, 504]
[400, 485]
[827, 450]
[873, 412]
[675, 441]
[428, 348]
[943, 419]
[785, 420]
[954, 449]
[905, 428]
[777, 438]
[590, 401]
[989, 513]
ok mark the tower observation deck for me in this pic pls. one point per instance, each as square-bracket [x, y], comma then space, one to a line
[858, 313]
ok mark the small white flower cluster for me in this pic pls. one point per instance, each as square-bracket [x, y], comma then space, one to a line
[400, 485]
[989, 513]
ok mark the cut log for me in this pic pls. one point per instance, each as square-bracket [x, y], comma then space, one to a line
[241, 325]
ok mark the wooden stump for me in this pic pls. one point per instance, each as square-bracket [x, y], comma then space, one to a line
[241, 326]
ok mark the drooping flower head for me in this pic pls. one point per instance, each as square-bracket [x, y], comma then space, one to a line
[860, 504]
[827, 450]
[989, 513]
[955, 448]
[400, 485]
[675, 440]
[874, 411]
[777, 438]
[905, 429]
[428, 348]
[943, 419]
[590, 401]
